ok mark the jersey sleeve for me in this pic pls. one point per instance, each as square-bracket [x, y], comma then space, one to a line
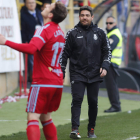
[40, 38]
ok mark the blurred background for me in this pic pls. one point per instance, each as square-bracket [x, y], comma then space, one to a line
[14, 66]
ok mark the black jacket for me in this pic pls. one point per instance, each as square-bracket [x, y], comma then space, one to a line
[88, 50]
[28, 23]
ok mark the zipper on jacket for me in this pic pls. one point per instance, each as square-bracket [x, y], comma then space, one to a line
[86, 37]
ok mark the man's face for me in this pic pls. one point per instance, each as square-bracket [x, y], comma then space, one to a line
[30, 4]
[48, 8]
[85, 18]
[110, 23]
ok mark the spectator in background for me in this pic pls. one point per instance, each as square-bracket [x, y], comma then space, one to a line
[31, 19]
[115, 39]
[76, 4]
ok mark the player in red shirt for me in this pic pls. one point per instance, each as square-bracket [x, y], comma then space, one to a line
[46, 89]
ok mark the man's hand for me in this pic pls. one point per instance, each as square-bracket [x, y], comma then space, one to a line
[103, 72]
[2, 40]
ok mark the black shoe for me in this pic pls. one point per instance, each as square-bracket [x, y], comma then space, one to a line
[112, 109]
[91, 134]
[75, 134]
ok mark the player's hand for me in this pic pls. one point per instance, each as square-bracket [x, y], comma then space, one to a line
[103, 72]
[2, 40]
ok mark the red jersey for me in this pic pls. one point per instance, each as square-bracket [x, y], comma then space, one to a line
[49, 41]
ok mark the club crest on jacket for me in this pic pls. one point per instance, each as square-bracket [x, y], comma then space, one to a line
[95, 37]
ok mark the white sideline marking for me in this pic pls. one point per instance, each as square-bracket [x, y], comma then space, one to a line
[132, 138]
[11, 120]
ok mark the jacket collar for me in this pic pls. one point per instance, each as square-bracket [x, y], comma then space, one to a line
[115, 27]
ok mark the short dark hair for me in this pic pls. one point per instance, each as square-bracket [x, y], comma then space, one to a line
[59, 12]
[88, 8]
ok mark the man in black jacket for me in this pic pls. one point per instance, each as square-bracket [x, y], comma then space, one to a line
[88, 49]
[31, 19]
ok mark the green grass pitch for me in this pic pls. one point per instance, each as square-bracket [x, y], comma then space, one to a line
[117, 126]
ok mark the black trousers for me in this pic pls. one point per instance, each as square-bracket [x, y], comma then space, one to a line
[78, 89]
[112, 87]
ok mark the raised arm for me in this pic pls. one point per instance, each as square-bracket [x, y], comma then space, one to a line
[36, 43]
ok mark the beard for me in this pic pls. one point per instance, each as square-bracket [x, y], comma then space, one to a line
[85, 25]
[88, 22]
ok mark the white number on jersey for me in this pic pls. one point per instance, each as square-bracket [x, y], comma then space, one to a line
[56, 47]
